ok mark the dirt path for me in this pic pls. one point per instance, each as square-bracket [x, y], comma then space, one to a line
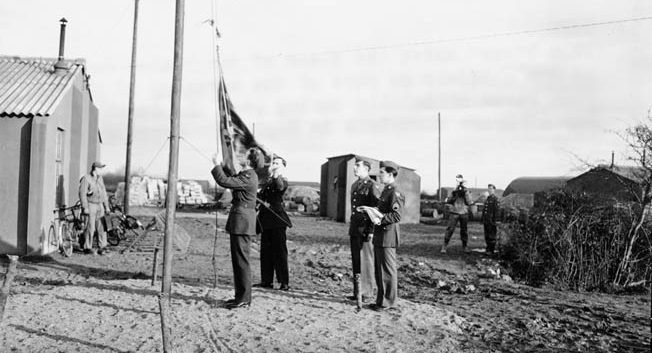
[106, 304]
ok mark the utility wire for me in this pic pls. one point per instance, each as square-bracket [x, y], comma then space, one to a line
[449, 40]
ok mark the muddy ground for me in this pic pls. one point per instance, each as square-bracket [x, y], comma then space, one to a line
[449, 303]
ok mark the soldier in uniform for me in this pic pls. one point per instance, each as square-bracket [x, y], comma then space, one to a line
[273, 221]
[460, 199]
[241, 223]
[489, 216]
[364, 192]
[386, 237]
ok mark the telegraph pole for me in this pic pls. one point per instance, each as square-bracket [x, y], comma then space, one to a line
[130, 119]
[173, 167]
[439, 156]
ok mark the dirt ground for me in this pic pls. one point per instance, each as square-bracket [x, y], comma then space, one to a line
[449, 303]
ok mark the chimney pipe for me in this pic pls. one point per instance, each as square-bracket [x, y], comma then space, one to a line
[60, 67]
[612, 160]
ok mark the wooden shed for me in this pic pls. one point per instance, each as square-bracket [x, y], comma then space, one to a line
[337, 178]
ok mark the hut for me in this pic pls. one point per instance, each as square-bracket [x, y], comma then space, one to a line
[520, 192]
[50, 137]
[617, 183]
[337, 178]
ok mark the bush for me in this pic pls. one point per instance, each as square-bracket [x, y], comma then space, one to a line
[577, 242]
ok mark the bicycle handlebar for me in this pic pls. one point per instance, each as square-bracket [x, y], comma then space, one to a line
[64, 208]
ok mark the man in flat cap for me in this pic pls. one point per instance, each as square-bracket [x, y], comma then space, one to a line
[95, 203]
[460, 200]
[364, 192]
[489, 216]
[386, 237]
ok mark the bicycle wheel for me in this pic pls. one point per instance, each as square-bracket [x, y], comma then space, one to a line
[113, 237]
[52, 237]
[65, 244]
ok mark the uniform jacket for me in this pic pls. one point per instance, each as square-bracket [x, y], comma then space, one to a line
[364, 192]
[272, 193]
[387, 233]
[92, 190]
[461, 202]
[490, 211]
[242, 216]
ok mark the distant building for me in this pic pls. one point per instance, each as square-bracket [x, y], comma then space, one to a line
[618, 183]
[520, 192]
[49, 137]
[337, 177]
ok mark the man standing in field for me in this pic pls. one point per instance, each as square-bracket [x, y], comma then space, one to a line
[489, 216]
[460, 200]
[95, 203]
[386, 237]
[364, 192]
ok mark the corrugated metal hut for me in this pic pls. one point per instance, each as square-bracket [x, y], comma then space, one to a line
[337, 177]
[520, 192]
[618, 183]
[49, 137]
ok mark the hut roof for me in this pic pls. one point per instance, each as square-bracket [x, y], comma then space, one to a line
[352, 155]
[531, 185]
[30, 87]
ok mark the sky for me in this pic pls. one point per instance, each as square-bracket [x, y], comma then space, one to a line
[323, 78]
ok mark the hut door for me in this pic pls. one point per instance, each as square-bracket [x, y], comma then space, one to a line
[58, 170]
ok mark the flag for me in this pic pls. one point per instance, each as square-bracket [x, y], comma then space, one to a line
[236, 138]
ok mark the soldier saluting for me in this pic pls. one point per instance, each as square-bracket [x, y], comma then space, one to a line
[364, 192]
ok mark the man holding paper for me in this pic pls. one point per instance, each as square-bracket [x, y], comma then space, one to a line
[386, 236]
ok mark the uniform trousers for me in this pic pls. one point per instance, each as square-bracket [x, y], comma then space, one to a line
[241, 268]
[452, 223]
[490, 236]
[94, 223]
[362, 258]
[386, 276]
[274, 256]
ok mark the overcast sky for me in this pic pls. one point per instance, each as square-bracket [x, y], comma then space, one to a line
[330, 77]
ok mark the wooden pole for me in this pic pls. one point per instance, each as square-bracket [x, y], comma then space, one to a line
[173, 167]
[130, 114]
[155, 266]
[9, 278]
[439, 156]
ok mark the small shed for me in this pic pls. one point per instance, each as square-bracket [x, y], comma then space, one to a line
[49, 137]
[532, 185]
[520, 192]
[337, 178]
[618, 183]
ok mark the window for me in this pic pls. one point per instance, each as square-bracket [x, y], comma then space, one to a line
[58, 169]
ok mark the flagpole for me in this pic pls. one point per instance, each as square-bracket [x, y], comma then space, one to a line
[173, 167]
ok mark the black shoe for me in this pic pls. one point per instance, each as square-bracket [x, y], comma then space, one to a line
[238, 305]
[229, 301]
[264, 285]
[284, 287]
[103, 251]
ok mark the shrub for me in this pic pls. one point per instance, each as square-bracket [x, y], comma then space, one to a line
[577, 242]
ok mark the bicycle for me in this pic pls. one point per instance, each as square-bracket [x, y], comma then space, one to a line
[117, 224]
[67, 228]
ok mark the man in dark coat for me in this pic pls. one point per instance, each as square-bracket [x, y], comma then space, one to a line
[364, 192]
[273, 221]
[489, 216]
[386, 237]
[241, 223]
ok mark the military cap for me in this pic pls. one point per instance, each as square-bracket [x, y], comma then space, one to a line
[98, 164]
[364, 161]
[459, 176]
[389, 164]
[491, 186]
